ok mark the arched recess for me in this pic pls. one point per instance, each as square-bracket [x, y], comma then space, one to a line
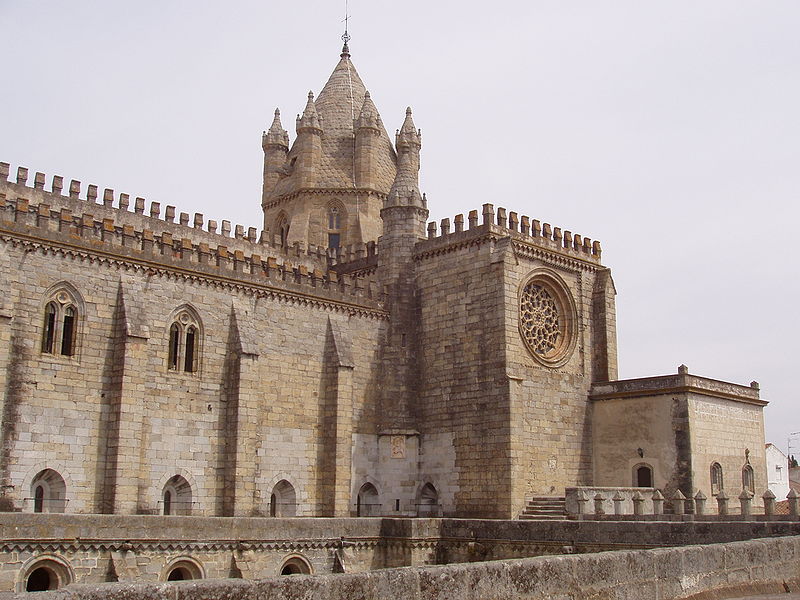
[428, 501]
[283, 500]
[43, 573]
[643, 475]
[176, 496]
[48, 492]
[368, 501]
[295, 564]
[34, 472]
[183, 568]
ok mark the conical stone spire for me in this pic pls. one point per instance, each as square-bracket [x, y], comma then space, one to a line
[368, 116]
[276, 135]
[405, 189]
[310, 119]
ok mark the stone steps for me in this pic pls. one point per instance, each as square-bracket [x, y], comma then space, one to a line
[545, 508]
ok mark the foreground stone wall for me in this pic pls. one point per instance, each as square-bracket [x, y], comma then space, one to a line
[132, 549]
[718, 571]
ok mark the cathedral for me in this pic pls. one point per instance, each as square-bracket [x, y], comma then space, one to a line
[348, 359]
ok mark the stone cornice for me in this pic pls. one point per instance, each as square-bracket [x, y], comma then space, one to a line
[675, 384]
[169, 267]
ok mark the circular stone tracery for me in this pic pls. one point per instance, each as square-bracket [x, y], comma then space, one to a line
[539, 319]
[547, 318]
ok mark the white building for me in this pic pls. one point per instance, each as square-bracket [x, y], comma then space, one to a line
[777, 472]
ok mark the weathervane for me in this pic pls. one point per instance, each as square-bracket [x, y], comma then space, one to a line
[346, 36]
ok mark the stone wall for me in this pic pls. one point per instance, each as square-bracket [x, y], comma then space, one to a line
[718, 571]
[277, 385]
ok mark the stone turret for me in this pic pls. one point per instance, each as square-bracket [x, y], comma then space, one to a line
[275, 143]
[368, 129]
[405, 188]
[306, 159]
[404, 216]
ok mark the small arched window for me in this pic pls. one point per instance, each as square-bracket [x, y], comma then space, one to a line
[716, 478]
[38, 499]
[59, 330]
[183, 351]
[282, 227]
[748, 479]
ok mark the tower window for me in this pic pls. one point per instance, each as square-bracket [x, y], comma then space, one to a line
[183, 351]
[716, 478]
[334, 214]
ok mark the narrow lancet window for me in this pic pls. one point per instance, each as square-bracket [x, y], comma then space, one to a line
[188, 363]
[68, 331]
[49, 327]
[174, 345]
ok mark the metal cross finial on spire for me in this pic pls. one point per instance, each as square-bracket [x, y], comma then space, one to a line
[345, 36]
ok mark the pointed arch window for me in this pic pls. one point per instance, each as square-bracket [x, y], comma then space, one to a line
[335, 218]
[60, 327]
[183, 351]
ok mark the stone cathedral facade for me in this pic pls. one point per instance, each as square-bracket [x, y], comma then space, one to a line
[349, 359]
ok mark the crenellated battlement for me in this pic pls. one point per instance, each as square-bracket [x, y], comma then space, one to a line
[523, 228]
[113, 232]
[180, 225]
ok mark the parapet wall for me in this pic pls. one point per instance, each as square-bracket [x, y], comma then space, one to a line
[111, 228]
[524, 229]
[711, 571]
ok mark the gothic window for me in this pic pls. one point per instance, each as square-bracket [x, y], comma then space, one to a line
[748, 479]
[59, 331]
[183, 351]
[716, 478]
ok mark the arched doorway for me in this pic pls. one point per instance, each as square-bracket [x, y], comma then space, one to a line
[176, 497]
[283, 500]
[643, 476]
[367, 502]
[49, 492]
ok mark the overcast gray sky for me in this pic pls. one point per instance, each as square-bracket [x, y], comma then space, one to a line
[670, 131]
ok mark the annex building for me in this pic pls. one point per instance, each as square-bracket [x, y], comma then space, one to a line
[349, 359]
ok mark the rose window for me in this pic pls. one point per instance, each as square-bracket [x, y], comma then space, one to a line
[547, 318]
[539, 319]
